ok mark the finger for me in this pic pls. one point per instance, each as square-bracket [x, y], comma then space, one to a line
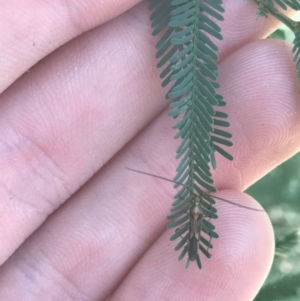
[241, 26]
[30, 36]
[45, 26]
[264, 119]
[65, 111]
[33, 29]
[107, 226]
[58, 122]
[241, 260]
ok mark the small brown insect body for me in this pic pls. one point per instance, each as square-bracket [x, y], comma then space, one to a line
[195, 229]
[196, 211]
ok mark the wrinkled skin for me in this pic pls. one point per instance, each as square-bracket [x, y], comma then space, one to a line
[74, 223]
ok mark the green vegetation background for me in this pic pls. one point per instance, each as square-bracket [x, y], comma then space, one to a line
[279, 193]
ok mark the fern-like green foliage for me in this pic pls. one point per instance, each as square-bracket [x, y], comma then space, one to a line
[283, 288]
[296, 49]
[266, 7]
[188, 54]
[286, 287]
[287, 243]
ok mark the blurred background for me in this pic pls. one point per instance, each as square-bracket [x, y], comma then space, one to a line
[279, 193]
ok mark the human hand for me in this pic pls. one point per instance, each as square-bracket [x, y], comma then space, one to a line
[83, 107]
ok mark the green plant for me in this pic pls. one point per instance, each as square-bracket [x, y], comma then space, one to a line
[188, 54]
[282, 287]
[281, 200]
[267, 7]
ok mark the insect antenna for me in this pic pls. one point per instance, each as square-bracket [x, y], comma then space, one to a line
[155, 176]
[181, 184]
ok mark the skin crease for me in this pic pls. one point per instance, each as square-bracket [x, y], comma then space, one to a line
[71, 125]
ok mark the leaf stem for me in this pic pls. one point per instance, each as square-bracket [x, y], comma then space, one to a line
[293, 25]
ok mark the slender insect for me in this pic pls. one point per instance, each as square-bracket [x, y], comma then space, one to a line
[196, 217]
[195, 227]
[194, 222]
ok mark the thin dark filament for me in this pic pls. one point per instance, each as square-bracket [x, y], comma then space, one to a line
[216, 197]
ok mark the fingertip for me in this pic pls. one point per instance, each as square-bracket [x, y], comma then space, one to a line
[245, 248]
[241, 259]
